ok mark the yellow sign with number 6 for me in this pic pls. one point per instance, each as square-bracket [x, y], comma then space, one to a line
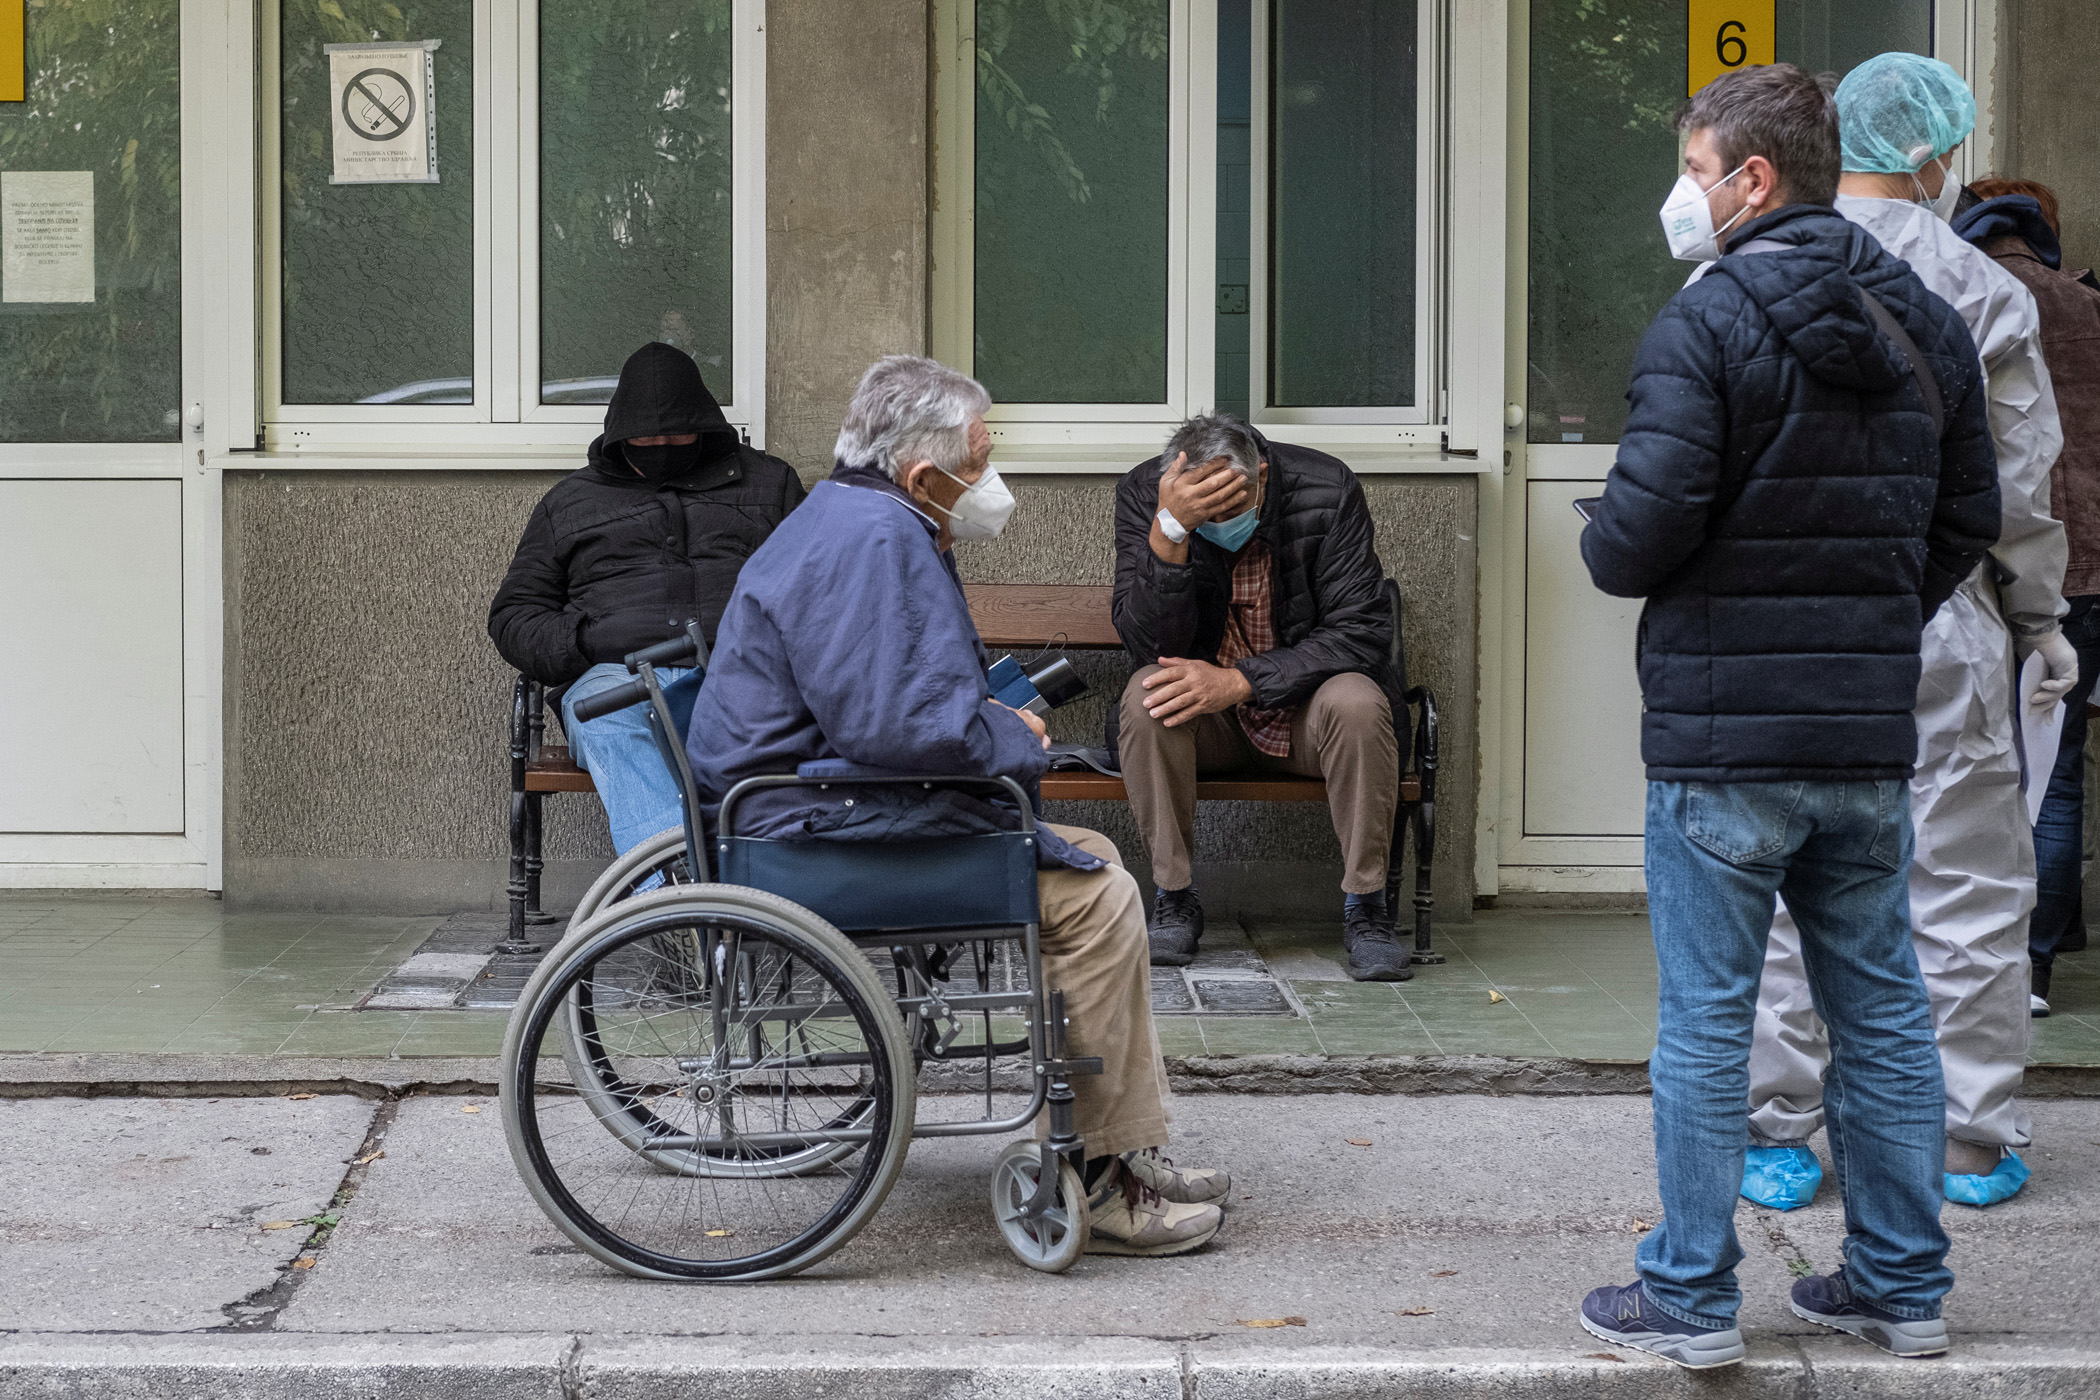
[14, 72]
[1724, 35]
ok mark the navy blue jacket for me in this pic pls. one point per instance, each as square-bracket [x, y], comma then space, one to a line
[848, 639]
[1780, 501]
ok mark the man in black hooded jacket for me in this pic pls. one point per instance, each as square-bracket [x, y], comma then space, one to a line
[618, 556]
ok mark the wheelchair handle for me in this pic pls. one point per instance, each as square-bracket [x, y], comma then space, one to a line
[681, 650]
[604, 702]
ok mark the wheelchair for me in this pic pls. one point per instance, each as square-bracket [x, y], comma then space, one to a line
[714, 1075]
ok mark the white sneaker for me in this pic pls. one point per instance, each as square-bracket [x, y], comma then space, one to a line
[1189, 1186]
[1130, 1217]
[2036, 1007]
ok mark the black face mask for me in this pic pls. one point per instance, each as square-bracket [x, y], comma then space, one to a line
[664, 461]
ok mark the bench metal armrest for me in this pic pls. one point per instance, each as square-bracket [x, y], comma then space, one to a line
[1425, 739]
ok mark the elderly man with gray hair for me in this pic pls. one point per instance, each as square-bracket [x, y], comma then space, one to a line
[848, 638]
[1248, 594]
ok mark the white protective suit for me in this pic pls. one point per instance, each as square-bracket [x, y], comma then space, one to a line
[1972, 878]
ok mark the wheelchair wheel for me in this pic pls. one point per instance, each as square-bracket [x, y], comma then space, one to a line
[662, 854]
[1054, 1241]
[623, 1110]
[748, 1095]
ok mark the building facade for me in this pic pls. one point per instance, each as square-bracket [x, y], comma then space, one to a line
[304, 303]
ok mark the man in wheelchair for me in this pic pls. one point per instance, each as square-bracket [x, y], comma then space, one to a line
[848, 638]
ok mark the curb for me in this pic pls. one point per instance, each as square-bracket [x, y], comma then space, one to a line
[27, 1075]
[295, 1366]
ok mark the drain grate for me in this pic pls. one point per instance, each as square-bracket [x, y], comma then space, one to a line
[455, 970]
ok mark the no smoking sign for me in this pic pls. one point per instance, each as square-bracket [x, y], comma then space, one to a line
[383, 113]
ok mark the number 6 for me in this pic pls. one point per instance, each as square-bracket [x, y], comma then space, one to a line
[1723, 40]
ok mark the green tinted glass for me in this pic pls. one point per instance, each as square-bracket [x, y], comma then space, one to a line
[91, 227]
[1071, 200]
[1606, 77]
[1342, 198]
[635, 190]
[378, 279]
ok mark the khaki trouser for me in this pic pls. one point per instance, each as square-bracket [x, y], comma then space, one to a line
[1344, 734]
[1094, 951]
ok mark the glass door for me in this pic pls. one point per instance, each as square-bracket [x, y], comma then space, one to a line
[1602, 82]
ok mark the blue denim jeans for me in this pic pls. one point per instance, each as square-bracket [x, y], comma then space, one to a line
[639, 793]
[1717, 853]
[2059, 832]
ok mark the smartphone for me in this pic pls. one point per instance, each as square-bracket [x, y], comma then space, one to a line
[1587, 506]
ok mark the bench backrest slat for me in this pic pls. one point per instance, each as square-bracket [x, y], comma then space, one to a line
[1031, 615]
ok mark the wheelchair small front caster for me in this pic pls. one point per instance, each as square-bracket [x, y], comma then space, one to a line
[1053, 1241]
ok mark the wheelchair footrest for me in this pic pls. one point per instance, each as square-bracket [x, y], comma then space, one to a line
[1070, 1068]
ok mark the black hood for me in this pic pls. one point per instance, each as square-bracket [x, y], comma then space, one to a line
[1809, 294]
[661, 393]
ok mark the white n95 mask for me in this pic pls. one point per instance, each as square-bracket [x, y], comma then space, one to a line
[983, 509]
[1688, 220]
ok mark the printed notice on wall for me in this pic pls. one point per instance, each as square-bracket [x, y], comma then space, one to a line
[382, 101]
[47, 235]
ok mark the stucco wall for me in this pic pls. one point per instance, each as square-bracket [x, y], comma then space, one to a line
[2048, 52]
[367, 713]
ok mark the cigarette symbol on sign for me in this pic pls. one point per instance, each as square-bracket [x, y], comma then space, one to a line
[378, 104]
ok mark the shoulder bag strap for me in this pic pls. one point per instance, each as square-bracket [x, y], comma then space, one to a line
[1889, 326]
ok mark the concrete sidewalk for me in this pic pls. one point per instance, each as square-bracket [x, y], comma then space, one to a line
[1446, 1258]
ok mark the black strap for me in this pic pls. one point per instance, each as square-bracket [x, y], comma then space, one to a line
[1929, 387]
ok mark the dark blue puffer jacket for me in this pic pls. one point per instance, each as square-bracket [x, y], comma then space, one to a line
[1780, 502]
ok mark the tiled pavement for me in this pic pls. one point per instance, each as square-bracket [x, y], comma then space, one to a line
[120, 974]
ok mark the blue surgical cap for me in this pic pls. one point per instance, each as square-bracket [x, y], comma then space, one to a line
[1898, 110]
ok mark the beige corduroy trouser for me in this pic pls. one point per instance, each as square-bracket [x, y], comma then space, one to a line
[1344, 734]
[1094, 951]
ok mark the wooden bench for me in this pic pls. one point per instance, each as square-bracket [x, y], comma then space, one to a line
[1023, 617]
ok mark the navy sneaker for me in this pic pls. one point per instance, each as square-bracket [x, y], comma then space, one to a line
[1828, 1300]
[1625, 1317]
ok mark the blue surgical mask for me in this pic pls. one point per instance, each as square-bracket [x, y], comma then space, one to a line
[1231, 535]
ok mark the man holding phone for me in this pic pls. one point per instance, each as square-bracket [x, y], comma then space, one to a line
[1248, 595]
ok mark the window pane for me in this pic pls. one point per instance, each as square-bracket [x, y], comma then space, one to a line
[1071, 201]
[90, 196]
[1342, 201]
[378, 279]
[635, 192]
[1606, 77]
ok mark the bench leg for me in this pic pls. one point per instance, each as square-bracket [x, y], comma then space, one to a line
[534, 815]
[518, 890]
[1425, 902]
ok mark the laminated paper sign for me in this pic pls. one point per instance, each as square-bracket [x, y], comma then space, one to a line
[381, 99]
[47, 235]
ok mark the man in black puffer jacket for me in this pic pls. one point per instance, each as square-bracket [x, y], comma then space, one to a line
[1792, 512]
[618, 556]
[1247, 592]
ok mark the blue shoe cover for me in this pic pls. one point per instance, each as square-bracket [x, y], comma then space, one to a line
[2001, 1185]
[1782, 1178]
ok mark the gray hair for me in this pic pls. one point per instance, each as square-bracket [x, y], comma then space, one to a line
[910, 409]
[1209, 436]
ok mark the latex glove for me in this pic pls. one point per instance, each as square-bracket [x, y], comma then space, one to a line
[2062, 660]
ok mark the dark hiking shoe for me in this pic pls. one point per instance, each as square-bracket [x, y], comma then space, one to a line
[1175, 927]
[1375, 951]
[1625, 1317]
[1828, 1300]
